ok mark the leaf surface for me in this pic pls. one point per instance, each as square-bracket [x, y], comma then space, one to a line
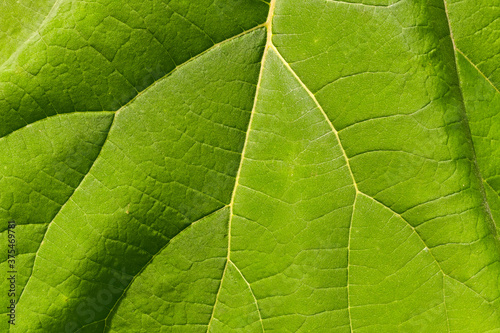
[219, 166]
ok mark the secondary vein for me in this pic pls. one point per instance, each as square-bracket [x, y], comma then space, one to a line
[476, 168]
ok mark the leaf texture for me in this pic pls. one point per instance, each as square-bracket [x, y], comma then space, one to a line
[220, 166]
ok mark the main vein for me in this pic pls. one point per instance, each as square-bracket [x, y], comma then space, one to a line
[268, 25]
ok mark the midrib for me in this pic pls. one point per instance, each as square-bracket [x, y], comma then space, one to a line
[268, 45]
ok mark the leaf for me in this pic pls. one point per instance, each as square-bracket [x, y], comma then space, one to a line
[219, 166]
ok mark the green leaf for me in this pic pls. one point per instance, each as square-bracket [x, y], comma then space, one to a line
[220, 166]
